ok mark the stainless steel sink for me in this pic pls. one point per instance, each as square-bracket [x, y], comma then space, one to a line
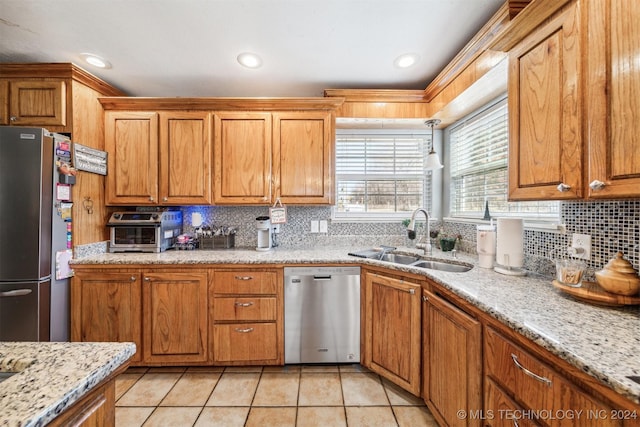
[442, 266]
[399, 258]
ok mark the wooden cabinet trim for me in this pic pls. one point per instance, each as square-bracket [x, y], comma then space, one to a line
[220, 104]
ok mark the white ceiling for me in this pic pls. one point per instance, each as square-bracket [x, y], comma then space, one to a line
[189, 47]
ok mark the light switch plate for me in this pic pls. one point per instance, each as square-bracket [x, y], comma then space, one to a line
[581, 241]
[323, 226]
[314, 226]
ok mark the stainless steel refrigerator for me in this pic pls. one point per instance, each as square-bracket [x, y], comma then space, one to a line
[34, 306]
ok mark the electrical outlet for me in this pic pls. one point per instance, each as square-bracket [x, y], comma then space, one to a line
[581, 244]
[323, 226]
[314, 226]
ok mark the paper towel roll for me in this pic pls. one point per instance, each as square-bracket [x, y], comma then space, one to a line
[510, 242]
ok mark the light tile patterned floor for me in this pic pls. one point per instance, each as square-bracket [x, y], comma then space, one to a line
[293, 395]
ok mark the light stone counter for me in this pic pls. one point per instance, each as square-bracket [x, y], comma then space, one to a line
[53, 376]
[601, 341]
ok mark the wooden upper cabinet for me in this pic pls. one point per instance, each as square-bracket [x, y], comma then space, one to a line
[4, 102]
[303, 152]
[242, 158]
[545, 111]
[35, 103]
[613, 98]
[185, 158]
[131, 139]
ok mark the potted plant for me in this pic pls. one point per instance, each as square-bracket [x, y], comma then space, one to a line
[448, 243]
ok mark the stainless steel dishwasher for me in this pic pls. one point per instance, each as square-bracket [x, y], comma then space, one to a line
[322, 314]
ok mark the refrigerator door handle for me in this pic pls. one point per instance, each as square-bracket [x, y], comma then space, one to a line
[15, 293]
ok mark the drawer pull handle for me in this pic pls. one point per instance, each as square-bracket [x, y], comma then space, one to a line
[244, 330]
[244, 304]
[243, 278]
[15, 293]
[545, 380]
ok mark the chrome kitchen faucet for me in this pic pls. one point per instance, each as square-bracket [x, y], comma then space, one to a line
[411, 233]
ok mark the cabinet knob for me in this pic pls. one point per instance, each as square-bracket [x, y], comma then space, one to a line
[13, 118]
[151, 199]
[147, 279]
[597, 185]
[563, 188]
[425, 298]
[132, 278]
[165, 199]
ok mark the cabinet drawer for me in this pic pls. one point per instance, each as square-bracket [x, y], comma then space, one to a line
[538, 387]
[518, 372]
[245, 342]
[501, 410]
[245, 282]
[254, 308]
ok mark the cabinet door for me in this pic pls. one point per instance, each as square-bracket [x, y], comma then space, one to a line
[185, 158]
[38, 103]
[131, 141]
[452, 362]
[175, 317]
[392, 330]
[107, 306]
[303, 153]
[242, 158]
[545, 118]
[613, 123]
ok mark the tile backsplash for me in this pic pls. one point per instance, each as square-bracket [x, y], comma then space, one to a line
[614, 225]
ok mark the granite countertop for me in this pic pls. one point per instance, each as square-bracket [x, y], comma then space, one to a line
[53, 376]
[603, 342]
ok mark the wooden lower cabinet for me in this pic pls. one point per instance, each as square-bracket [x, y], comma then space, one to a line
[96, 409]
[175, 317]
[107, 306]
[247, 317]
[452, 362]
[392, 329]
[163, 312]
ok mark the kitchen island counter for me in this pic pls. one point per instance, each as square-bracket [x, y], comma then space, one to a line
[601, 341]
[53, 376]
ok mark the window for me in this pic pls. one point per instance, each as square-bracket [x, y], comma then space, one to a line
[381, 175]
[478, 169]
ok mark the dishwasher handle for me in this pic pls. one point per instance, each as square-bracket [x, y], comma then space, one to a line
[321, 277]
[15, 293]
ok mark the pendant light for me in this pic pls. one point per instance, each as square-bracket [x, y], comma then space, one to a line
[433, 161]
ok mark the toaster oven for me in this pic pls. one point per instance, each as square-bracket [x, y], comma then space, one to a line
[144, 231]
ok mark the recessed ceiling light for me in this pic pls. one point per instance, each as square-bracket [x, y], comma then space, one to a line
[406, 60]
[249, 60]
[95, 60]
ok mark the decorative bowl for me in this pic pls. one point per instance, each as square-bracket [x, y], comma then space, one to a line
[619, 277]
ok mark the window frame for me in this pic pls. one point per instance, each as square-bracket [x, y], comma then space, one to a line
[548, 222]
[434, 181]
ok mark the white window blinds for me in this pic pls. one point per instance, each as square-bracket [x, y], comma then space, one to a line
[478, 169]
[381, 175]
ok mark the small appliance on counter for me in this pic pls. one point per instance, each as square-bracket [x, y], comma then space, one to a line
[510, 247]
[143, 231]
[263, 226]
[486, 241]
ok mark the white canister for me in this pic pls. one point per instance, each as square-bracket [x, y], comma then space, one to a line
[510, 246]
[486, 241]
